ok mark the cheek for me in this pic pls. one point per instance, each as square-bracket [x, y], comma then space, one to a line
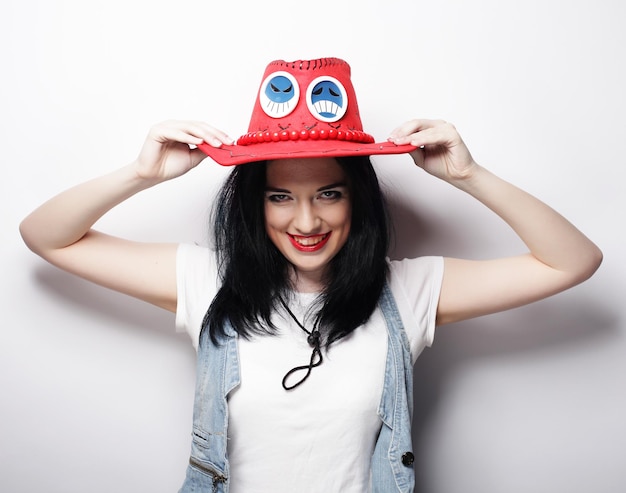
[274, 219]
[271, 232]
[342, 217]
[340, 220]
[269, 218]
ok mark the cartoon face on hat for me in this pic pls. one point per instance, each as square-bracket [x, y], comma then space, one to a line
[306, 108]
[326, 99]
[279, 94]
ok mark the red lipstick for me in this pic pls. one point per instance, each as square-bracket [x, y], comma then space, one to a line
[311, 243]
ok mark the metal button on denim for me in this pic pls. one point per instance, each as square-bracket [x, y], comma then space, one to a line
[408, 458]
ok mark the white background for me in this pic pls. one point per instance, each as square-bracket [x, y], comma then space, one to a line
[96, 389]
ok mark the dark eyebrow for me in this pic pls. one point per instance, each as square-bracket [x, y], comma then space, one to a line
[333, 185]
[321, 189]
[279, 190]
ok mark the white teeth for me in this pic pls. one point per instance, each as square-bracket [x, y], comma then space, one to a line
[325, 106]
[311, 241]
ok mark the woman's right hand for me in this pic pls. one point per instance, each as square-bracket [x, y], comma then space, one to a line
[60, 230]
[166, 152]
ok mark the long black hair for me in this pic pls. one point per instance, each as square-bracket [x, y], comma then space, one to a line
[255, 275]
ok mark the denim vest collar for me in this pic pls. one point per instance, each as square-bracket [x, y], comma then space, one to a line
[218, 374]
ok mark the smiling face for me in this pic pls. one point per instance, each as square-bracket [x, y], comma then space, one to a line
[307, 215]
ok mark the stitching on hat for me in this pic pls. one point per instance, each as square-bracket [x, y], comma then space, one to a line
[314, 64]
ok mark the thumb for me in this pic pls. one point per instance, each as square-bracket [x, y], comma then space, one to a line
[196, 156]
[418, 156]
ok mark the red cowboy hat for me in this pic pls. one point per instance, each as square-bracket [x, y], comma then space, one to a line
[307, 109]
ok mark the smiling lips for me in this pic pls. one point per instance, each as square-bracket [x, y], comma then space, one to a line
[311, 243]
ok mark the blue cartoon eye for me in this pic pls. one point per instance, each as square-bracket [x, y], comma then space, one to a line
[327, 99]
[279, 94]
[280, 89]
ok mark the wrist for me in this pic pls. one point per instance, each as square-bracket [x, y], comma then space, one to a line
[137, 179]
[470, 178]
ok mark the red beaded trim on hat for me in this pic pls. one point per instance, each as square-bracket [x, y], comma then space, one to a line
[304, 134]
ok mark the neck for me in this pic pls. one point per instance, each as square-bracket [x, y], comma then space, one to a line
[307, 282]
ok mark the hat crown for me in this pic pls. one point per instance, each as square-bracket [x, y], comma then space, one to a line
[305, 109]
[305, 95]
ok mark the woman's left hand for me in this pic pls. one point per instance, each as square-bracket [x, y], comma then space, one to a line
[440, 149]
[559, 255]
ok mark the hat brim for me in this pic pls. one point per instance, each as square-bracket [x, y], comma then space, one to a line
[231, 155]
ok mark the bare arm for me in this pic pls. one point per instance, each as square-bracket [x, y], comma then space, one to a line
[559, 256]
[60, 230]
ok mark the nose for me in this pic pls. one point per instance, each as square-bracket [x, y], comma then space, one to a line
[306, 219]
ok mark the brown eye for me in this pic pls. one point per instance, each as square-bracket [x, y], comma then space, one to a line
[278, 197]
[331, 194]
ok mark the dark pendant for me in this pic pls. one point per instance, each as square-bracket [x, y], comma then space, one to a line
[314, 339]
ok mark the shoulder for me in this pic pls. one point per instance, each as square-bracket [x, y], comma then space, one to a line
[192, 253]
[416, 271]
[416, 286]
[195, 266]
[416, 280]
[197, 283]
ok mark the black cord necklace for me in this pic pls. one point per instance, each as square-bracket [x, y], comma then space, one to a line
[313, 339]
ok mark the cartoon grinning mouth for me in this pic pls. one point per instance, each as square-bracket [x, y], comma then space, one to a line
[277, 108]
[327, 109]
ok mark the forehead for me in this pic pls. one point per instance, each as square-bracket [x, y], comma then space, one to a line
[315, 171]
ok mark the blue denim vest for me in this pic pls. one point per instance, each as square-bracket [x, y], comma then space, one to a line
[218, 374]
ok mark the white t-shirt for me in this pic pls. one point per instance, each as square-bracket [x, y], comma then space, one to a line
[319, 436]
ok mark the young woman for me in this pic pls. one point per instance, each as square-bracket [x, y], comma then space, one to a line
[306, 333]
